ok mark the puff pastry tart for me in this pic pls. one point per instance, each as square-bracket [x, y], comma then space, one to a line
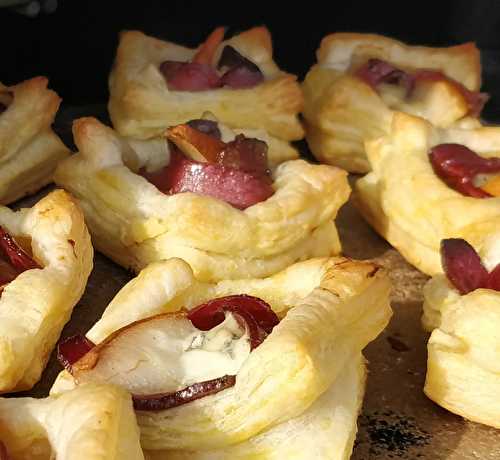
[429, 184]
[461, 310]
[45, 260]
[360, 79]
[155, 84]
[92, 422]
[210, 201]
[29, 149]
[222, 371]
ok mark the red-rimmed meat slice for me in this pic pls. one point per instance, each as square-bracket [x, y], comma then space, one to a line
[240, 72]
[189, 76]
[494, 279]
[72, 349]
[457, 166]
[236, 187]
[376, 72]
[166, 361]
[462, 265]
[246, 154]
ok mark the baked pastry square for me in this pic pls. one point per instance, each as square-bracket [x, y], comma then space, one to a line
[36, 305]
[29, 149]
[463, 373]
[142, 105]
[92, 422]
[134, 223]
[330, 309]
[410, 205]
[360, 79]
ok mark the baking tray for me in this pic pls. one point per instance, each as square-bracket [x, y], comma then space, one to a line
[398, 421]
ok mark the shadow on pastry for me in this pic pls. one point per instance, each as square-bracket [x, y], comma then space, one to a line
[209, 197]
[247, 359]
[361, 79]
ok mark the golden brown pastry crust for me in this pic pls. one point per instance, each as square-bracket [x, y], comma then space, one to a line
[333, 307]
[142, 106]
[134, 223]
[29, 149]
[412, 208]
[463, 374]
[341, 111]
[325, 431]
[91, 422]
[38, 303]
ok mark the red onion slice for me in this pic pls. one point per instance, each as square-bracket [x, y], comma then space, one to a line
[70, 350]
[189, 76]
[462, 265]
[211, 313]
[457, 166]
[494, 279]
[15, 254]
[4, 454]
[199, 390]
[377, 71]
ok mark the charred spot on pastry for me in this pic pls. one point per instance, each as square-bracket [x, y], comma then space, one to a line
[464, 269]
[203, 350]
[458, 166]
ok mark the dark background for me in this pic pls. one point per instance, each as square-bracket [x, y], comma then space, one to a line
[75, 45]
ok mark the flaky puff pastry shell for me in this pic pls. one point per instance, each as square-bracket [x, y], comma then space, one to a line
[142, 106]
[342, 111]
[134, 223]
[409, 205]
[463, 363]
[325, 431]
[29, 149]
[332, 308]
[36, 305]
[91, 422]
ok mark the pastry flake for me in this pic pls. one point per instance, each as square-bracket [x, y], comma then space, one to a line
[91, 422]
[324, 431]
[462, 364]
[142, 105]
[134, 223]
[330, 309]
[413, 208]
[29, 149]
[36, 305]
[342, 109]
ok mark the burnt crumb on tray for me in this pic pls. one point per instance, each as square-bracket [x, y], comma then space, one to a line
[391, 435]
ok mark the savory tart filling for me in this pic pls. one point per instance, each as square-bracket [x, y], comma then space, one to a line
[13, 259]
[174, 358]
[384, 78]
[465, 171]
[233, 69]
[464, 269]
[200, 162]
